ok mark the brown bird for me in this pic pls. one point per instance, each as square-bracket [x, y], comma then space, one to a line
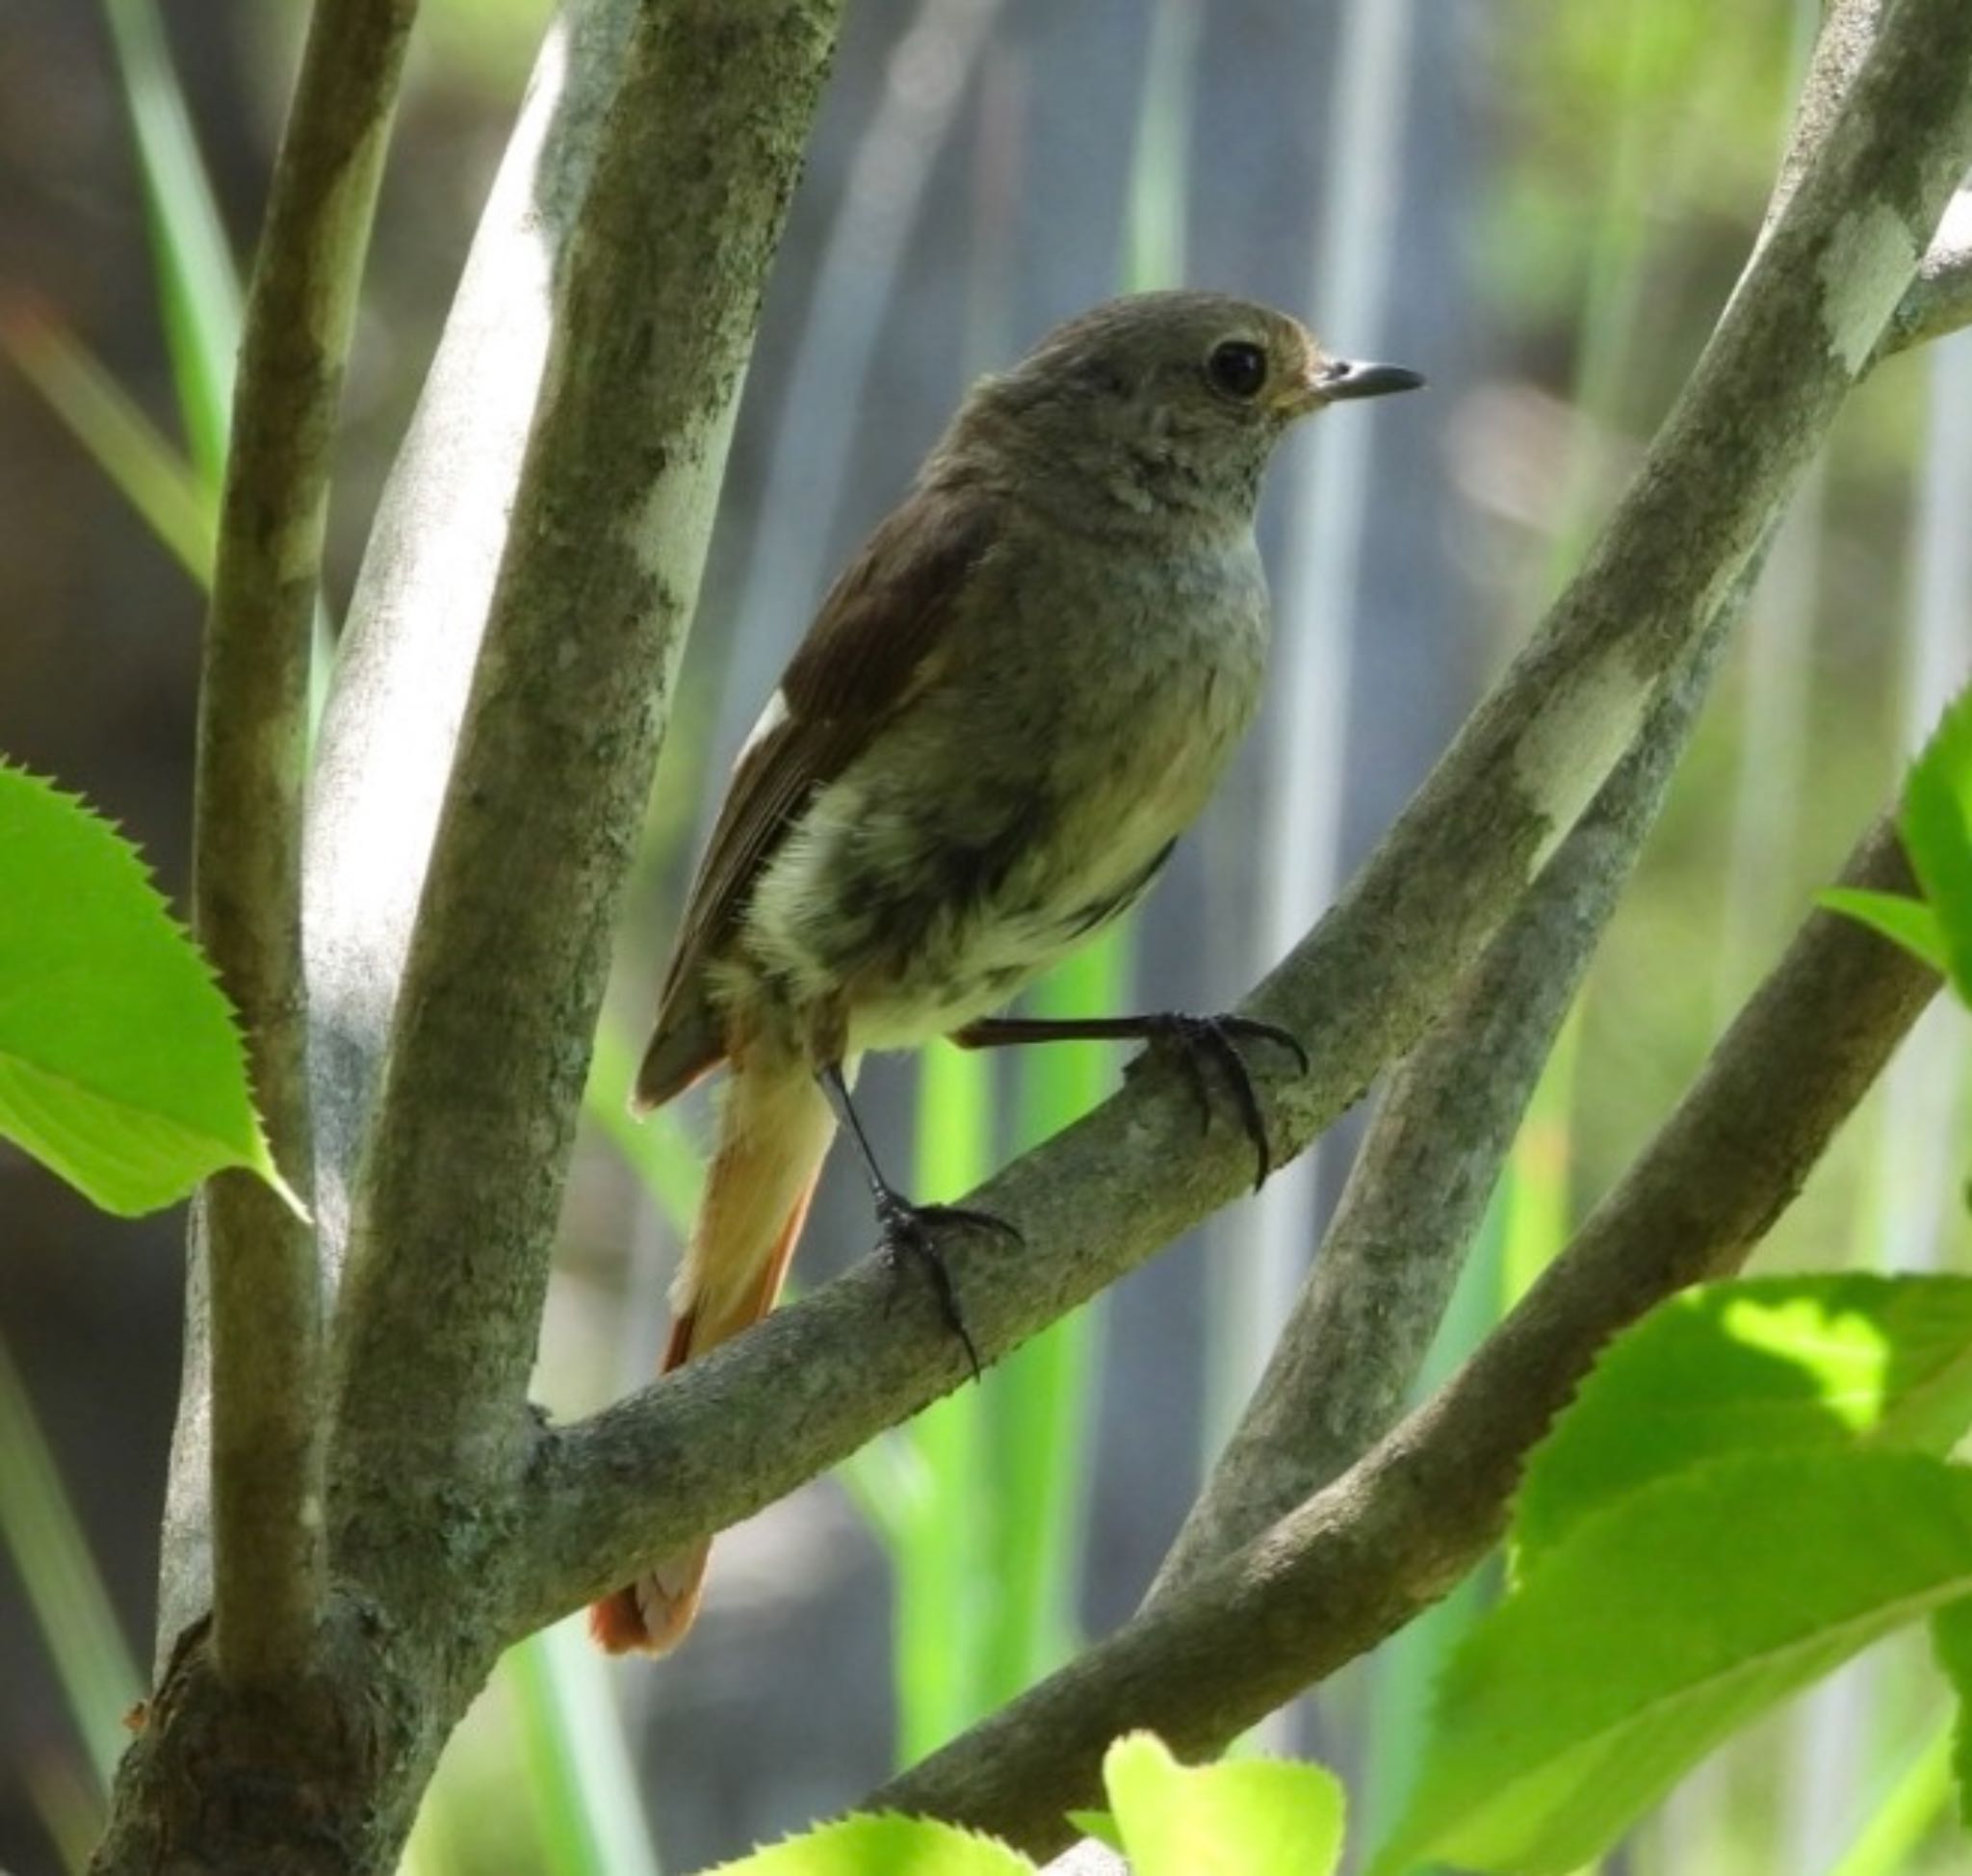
[1012, 703]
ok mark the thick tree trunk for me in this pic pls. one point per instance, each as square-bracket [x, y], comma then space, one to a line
[319, 1777]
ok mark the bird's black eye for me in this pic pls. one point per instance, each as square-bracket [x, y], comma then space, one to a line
[1238, 367]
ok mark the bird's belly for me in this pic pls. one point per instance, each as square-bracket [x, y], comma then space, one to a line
[981, 959]
[919, 896]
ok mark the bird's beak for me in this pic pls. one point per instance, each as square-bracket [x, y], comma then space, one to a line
[1333, 380]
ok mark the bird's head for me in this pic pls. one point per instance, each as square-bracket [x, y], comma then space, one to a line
[1167, 401]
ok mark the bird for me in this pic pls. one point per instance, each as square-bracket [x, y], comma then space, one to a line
[1011, 703]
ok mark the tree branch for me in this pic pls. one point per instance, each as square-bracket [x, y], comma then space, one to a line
[1353, 1347]
[260, 1259]
[1842, 42]
[1807, 312]
[1940, 298]
[1359, 1558]
[416, 620]
[406, 657]
[1364, 1321]
[729, 1434]
[461, 1182]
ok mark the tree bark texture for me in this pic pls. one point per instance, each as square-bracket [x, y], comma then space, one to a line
[434, 1325]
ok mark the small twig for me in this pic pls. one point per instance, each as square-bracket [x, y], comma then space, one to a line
[1940, 301]
[266, 1334]
[1335, 1576]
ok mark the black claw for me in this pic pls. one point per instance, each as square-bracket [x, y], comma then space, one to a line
[1255, 1030]
[1191, 1052]
[1200, 1039]
[911, 1229]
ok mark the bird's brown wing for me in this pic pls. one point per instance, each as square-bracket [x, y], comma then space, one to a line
[873, 646]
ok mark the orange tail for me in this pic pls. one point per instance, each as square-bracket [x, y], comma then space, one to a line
[774, 1130]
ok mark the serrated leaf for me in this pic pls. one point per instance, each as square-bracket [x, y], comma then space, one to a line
[1770, 1362]
[121, 1063]
[1907, 921]
[885, 1845]
[1661, 1625]
[1936, 822]
[1951, 1641]
[1244, 1817]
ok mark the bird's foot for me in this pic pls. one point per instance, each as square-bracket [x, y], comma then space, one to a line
[1202, 1043]
[911, 1231]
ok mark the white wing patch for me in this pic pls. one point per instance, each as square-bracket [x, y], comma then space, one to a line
[770, 720]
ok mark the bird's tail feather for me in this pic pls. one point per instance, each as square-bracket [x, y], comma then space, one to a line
[775, 1126]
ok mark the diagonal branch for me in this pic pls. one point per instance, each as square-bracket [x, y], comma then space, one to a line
[260, 1270]
[1940, 298]
[456, 1203]
[1355, 1562]
[1352, 1347]
[1798, 330]
[729, 1434]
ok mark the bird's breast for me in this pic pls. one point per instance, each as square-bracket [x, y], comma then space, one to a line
[1023, 805]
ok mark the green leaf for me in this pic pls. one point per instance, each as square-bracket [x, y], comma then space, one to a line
[1245, 1817]
[1936, 824]
[121, 1063]
[888, 1845]
[1951, 1641]
[1100, 1825]
[1768, 1363]
[1660, 1627]
[1905, 922]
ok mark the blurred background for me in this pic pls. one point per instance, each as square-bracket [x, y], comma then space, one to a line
[1543, 207]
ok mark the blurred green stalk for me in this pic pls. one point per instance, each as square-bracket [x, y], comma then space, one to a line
[1915, 1805]
[1043, 1412]
[588, 1815]
[178, 506]
[936, 1549]
[70, 1807]
[97, 1674]
[655, 1146]
[198, 287]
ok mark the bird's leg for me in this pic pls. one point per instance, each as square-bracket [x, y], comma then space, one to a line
[1198, 1041]
[909, 1228]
